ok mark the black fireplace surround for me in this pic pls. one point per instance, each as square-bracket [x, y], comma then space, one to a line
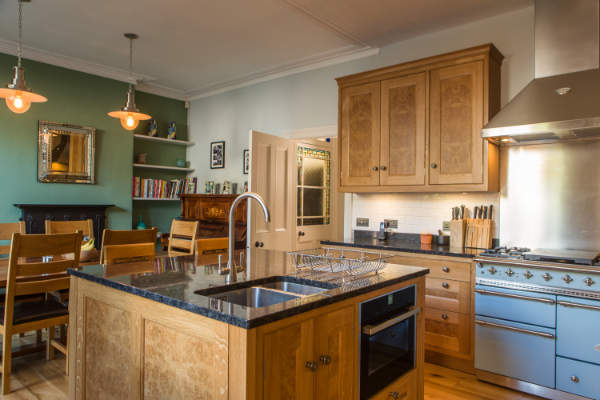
[34, 216]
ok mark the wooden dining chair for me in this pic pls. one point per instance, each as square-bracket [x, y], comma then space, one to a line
[124, 253]
[28, 275]
[212, 246]
[112, 237]
[86, 227]
[182, 238]
[6, 232]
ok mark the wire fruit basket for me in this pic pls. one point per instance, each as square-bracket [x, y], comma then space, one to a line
[351, 262]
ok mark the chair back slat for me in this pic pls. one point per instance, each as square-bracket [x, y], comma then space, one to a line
[42, 268]
[48, 245]
[183, 237]
[6, 232]
[124, 253]
[42, 285]
[86, 227]
[111, 237]
[212, 246]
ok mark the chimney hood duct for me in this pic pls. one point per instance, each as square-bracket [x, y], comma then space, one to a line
[563, 101]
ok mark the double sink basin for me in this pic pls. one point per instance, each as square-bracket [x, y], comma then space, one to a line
[267, 292]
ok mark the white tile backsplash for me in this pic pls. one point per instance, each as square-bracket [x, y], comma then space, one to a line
[416, 212]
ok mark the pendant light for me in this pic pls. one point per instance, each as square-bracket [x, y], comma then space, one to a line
[129, 115]
[17, 95]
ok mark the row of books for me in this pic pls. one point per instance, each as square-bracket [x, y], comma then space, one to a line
[161, 189]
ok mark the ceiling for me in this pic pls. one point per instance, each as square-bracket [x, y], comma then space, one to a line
[193, 48]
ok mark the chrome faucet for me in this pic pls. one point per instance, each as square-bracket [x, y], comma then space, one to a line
[232, 277]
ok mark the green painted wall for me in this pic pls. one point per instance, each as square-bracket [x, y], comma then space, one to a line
[81, 99]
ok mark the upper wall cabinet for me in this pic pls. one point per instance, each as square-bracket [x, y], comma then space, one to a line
[416, 127]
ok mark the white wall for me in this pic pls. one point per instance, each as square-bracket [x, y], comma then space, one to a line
[309, 99]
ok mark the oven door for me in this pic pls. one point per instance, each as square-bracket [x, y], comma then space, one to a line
[387, 352]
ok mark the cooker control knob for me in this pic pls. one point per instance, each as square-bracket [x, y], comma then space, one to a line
[492, 270]
[510, 272]
[589, 281]
[547, 276]
[528, 275]
[568, 279]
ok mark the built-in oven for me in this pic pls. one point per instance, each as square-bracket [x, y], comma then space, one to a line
[388, 339]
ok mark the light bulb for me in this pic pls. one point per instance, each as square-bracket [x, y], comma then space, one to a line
[129, 122]
[17, 103]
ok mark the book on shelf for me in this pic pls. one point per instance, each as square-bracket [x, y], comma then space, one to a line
[146, 188]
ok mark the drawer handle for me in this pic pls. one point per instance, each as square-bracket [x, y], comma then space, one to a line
[574, 379]
[511, 328]
[445, 285]
[514, 296]
[397, 395]
[577, 305]
[445, 269]
[444, 316]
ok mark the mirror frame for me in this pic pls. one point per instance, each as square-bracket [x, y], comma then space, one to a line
[43, 175]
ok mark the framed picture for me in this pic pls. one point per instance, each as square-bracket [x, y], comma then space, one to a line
[217, 155]
[246, 161]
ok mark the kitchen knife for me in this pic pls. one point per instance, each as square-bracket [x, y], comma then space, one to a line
[490, 216]
[485, 212]
[475, 211]
[462, 211]
[481, 212]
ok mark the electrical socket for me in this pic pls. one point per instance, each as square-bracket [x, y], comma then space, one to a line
[391, 223]
[446, 225]
[362, 222]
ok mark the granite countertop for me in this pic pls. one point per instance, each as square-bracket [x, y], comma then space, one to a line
[174, 281]
[402, 242]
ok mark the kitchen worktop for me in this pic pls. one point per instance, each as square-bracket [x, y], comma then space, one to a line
[174, 281]
[401, 242]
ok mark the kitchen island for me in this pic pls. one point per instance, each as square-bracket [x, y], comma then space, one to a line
[174, 328]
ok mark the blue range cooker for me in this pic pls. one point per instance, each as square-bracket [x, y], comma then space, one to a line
[537, 322]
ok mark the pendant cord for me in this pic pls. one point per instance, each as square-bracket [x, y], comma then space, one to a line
[19, 45]
[130, 62]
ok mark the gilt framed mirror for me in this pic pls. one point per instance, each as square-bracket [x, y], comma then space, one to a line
[66, 153]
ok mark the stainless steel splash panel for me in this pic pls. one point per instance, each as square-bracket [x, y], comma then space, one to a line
[550, 196]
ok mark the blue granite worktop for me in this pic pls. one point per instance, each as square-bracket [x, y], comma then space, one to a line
[174, 281]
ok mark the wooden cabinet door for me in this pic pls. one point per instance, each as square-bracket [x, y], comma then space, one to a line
[448, 332]
[336, 348]
[359, 133]
[456, 119]
[403, 104]
[286, 351]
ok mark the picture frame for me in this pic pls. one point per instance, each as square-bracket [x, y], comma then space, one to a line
[217, 155]
[246, 162]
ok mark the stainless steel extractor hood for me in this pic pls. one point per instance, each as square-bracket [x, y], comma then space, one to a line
[563, 101]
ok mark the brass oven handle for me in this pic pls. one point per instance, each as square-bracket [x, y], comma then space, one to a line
[373, 329]
[511, 328]
[513, 296]
[577, 305]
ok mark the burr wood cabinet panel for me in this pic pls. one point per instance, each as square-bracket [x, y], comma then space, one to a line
[427, 135]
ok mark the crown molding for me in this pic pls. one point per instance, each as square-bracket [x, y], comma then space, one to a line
[160, 90]
[339, 56]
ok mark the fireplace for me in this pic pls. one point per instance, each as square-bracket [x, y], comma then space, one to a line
[34, 216]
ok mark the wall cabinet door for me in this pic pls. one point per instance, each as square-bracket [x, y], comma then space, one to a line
[286, 352]
[456, 119]
[403, 104]
[360, 114]
[336, 348]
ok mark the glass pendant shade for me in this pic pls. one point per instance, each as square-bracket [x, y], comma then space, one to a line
[17, 96]
[129, 115]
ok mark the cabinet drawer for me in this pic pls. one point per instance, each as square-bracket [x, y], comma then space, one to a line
[578, 377]
[405, 388]
[448, 332]
[578, 329]
[449, 295]
[457, 271]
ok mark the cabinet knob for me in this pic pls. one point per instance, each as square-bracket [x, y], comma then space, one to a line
[383, 167]
[325, 359]
[445, 285]
[444, 316]
[262, 244]
[445, 269]
[311, 365]
[257, 244]
[433, 165]
[574, 379]
[375, 168]
[301, 233]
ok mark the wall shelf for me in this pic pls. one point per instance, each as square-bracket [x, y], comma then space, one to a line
[163, 140]
[163, 167]
[152, 199]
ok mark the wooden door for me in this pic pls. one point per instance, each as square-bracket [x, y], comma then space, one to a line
[359, 134]
[285, 353]
[456, 119]
[403, 104]
[336, 348]
[272, 169]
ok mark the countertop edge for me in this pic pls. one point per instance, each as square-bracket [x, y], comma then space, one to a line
[394, 248]
[245, 324]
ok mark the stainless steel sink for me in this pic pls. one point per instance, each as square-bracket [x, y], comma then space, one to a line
[253, 297]
[296, 288]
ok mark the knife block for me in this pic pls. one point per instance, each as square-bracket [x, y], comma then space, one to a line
[457, 233]
[479, 233]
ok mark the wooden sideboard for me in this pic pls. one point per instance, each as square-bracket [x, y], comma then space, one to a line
[212, 213]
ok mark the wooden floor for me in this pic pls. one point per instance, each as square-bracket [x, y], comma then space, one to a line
[34, 378]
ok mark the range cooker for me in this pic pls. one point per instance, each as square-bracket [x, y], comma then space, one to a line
[537, 324]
